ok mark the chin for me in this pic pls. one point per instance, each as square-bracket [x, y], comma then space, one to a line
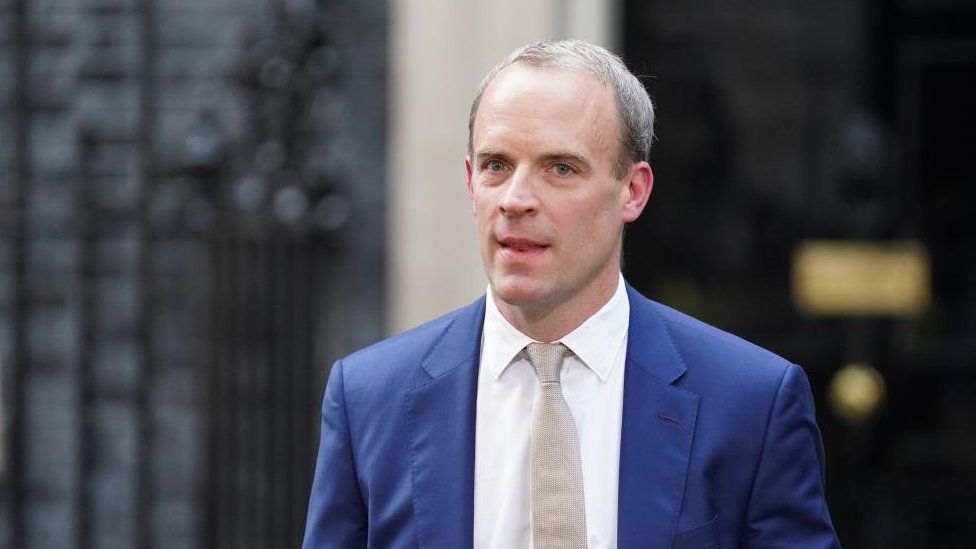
[518, 291]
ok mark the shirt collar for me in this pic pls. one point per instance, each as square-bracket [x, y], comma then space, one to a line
[595, 341]
[502, 341]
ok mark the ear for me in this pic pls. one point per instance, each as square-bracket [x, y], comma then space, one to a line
[637, 190]
[468, 171]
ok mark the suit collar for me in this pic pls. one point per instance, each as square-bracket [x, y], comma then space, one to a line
[460, 343]
[649, 342]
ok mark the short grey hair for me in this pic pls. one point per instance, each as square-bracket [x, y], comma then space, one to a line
[633, 103]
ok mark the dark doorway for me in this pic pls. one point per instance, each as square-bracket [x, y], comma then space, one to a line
[783, 122]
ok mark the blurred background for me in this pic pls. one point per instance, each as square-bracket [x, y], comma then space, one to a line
[204, 203]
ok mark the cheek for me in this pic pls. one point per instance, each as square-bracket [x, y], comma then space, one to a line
[599, 215]
[478, 203]
[483, 214]
[596, 228]
[483, 211]
[482, 197]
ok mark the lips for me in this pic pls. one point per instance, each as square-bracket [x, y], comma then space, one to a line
[521, 248]
[521, 243]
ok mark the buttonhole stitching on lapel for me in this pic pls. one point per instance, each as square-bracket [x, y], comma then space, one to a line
[669, 419]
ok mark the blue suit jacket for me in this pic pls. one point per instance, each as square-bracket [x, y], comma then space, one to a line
[719, 447]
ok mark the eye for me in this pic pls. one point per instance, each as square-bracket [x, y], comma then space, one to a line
[494, 165]
[563, 169]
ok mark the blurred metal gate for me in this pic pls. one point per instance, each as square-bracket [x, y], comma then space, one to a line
[172, 292]
[262, 385]
[271, 221]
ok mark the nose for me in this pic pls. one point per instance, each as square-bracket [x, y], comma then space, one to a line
[519, 197]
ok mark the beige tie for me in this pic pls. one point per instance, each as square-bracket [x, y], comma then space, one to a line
[558, 509]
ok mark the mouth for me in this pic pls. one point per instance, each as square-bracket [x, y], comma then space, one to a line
[517, 247]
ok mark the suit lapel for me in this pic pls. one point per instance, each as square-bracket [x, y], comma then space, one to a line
[656, 433]
[655, 447]
[441, 421]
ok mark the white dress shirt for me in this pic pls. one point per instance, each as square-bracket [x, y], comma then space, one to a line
[593, 385]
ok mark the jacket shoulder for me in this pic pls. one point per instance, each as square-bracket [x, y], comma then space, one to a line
[712, 352]
[397, 359]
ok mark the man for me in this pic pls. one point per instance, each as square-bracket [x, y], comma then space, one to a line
[564, 409]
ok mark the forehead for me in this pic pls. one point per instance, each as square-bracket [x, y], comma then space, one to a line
[542, 106]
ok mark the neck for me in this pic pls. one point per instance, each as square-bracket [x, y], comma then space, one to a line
[550, 322]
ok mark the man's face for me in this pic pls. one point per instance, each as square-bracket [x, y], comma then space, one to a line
[549, 212]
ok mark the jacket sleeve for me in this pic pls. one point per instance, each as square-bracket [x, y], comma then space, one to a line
[336, 512]
[787, 506]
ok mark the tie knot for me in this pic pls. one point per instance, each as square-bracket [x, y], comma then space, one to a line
[547, 358]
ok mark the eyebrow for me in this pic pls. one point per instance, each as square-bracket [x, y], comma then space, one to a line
[556, 156]
[489, 153]
[568, 156]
